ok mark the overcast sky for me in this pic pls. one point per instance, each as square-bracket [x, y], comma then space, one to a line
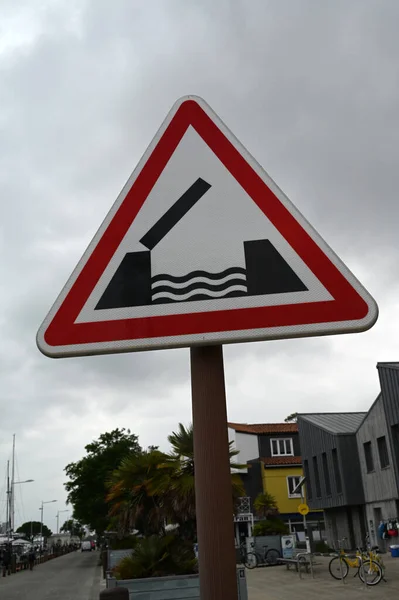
[310, 88]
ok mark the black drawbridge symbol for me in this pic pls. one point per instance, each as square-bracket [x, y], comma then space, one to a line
[266, 271]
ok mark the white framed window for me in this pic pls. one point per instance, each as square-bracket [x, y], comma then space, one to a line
[292, 482]
[282, 447]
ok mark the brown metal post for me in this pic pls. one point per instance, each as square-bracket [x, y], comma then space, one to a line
[213, 490]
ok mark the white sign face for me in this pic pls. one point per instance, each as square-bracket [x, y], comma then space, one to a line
[202, 247]
[243, 518]
[203, 255]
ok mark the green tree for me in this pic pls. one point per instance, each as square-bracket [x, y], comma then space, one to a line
[87, 477]
[265, 505]
[292, 418]
[152, 488]
[33, 527]
[138, 492]
[182, 489]
[74, 528]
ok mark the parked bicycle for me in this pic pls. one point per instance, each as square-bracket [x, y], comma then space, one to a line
[268, 557]
[368, 571]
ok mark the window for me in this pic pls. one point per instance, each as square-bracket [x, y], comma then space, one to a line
[326, 474]
[395, 441]
[307, 480]
[383, 451]
[292, 483]
[282, 447]
[316, 477]
[337, 472]
[368, 455]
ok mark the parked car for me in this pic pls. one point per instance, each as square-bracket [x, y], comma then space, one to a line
[86, 546]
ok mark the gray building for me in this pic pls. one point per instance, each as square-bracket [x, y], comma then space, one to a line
[351, 465]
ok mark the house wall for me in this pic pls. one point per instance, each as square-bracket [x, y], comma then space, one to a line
[389, 381]
[350, 469]
[375, 511]
[246, 444]
[344, 522]
[367, 498]
[380, 484]
[275, 482]
[265, 450]
[252, 480]
[316, 441]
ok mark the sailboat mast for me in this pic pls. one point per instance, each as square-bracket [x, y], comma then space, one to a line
[12, 503]
[8, 501]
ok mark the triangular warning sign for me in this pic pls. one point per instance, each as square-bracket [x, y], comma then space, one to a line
[202, 247]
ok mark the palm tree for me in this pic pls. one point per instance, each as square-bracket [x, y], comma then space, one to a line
[137, 491]
[183, 483]
[266, 505]
[149, 489]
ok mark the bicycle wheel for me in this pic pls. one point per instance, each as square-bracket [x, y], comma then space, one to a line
[380, 562]
[338, 567]
[272, 556]
[251, 560]
[372, 572]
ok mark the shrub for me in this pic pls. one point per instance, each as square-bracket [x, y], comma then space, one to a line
[158, 556]
[322, 546]
[272, 526]
[266, 506]
[125, 543]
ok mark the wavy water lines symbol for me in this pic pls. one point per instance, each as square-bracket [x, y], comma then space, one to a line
[199, 285]
[133, 283]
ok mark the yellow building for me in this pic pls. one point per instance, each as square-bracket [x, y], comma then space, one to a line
[281, 481]
[281, 477]
[273, 455]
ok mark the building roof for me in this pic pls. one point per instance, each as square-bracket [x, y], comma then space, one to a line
[337, 423]
[259, 428]
[276, 461]
[390, 365]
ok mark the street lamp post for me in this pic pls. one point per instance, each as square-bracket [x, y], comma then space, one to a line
[41, 521]
[58, 519]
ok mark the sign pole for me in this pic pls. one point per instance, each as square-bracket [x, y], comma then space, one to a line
[305, 526]
[213, 489]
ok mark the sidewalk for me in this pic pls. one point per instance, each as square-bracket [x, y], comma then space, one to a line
[276, 583]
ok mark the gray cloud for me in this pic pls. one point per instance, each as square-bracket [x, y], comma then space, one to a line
[309, 88]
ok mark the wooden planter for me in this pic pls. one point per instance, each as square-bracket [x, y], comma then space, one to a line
[178, 587]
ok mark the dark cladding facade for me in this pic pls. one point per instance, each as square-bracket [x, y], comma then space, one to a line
[351, 464]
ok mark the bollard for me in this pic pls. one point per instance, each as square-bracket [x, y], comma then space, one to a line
[104, 561]
[118, 593]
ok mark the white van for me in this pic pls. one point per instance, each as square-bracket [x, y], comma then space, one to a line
[86, 546]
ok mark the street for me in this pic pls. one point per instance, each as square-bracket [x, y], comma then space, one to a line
[75, 576]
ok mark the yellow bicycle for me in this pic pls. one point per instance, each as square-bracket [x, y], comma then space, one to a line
[368, 570]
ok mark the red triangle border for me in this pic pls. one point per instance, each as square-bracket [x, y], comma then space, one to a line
[347, 305]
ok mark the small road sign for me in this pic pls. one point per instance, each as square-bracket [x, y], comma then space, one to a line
[303, 509]
[202, 247]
